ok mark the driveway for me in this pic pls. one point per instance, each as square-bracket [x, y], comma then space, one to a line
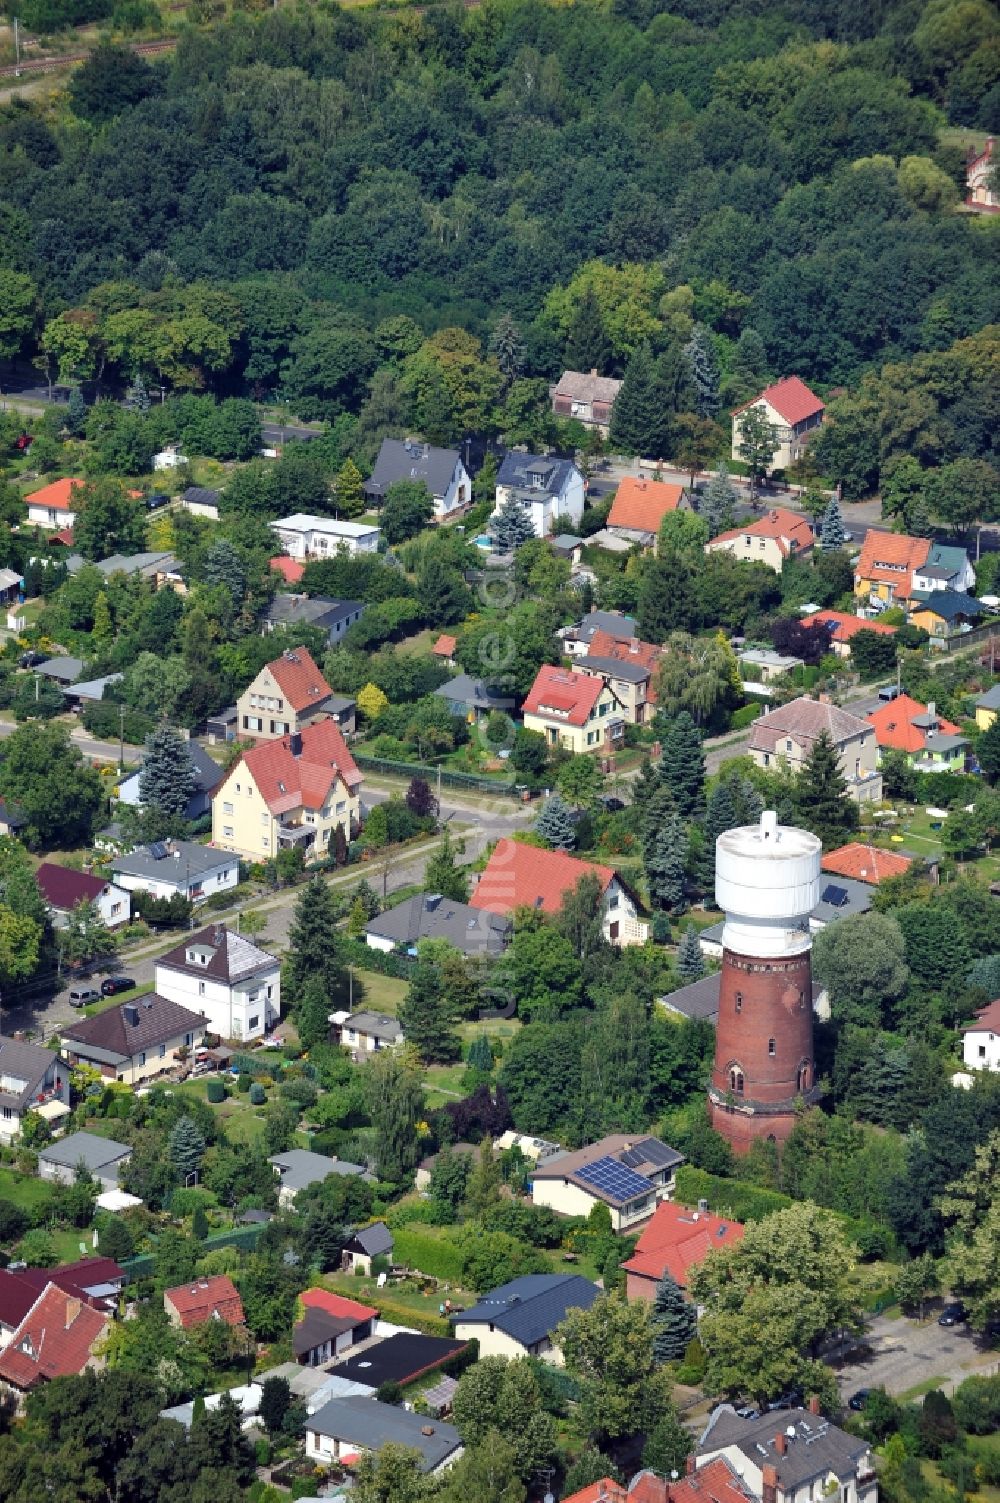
[905, 1354]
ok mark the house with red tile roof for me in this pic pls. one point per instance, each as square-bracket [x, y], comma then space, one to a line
[794, 412]
[63, 889]
[290, 569]
[929, 742]
[865, 863]
[330, 1324]
[883, 574]
[522, 876]
[640, 506]
[53, 505]
[674, 1242]
[579, 712]
[628, 668]
[843, 627]
[716, 1482]
[444, 648]
[286, 696]
[60, 1337]
[95, 1281]
[772, 540]
[214, 1298]
[295, 792]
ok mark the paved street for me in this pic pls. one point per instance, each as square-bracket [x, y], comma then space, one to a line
[906, 1353]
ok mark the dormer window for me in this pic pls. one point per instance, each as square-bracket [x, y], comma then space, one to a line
[27, 1348]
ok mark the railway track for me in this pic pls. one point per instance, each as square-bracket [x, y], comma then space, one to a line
[32, 67]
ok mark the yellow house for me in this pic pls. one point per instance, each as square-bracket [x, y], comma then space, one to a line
[135, 1041]
[574, 710]
[295, 792]
[987, 707]
[774, 538]
[794, 413]
[286, 696]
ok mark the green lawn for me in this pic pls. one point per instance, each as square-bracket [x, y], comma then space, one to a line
[23, 1190]
[377, 992]
[242, 1123]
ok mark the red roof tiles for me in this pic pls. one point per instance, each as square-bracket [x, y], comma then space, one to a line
[445, 646]
[842, 626]
[866, 863]
[631, 650]
[891, 558]
[20, 1289]
[987, 1020]
[56, 1339]
[287, 780]
[894, 726]
[290, 569]
[522, 876]
[641, 504]
[566, 697]
[213, 1298]
[298, 678]
[792, 533]
[677, 1240]
[716, 1482]
[58, 496]
[790, 398]
[337, 1305]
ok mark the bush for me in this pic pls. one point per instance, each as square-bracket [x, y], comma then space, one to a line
[215, 1092]
[262, 1452]
[728, 1197]
[432, 1255]
[258, 1095]
[744, 717]
[389, 1393]
[243, 1082]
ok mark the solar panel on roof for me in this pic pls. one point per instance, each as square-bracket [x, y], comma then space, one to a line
[615, 1179]
[837, 896]
[157, 850]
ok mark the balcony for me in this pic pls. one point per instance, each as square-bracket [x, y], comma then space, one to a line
[292, 836]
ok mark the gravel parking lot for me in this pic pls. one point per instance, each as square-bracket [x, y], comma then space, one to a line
[905, 1354]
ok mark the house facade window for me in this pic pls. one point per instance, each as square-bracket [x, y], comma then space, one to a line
[772, 1047]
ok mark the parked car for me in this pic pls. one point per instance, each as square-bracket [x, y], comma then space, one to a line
[82, 996]
[952, 1315]
[156, 499]
[112, 985]
[858, 1400]
[31, 659]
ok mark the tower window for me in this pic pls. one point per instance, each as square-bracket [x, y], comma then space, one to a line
[736, 1080]
[739, 1001]
[802, 998]
[772, 1047]
[804, 1076]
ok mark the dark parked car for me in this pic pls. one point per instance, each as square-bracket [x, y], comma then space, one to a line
[112, 985]
[31, 659]
[156, 500]
[858, 1400]
[952, 1315]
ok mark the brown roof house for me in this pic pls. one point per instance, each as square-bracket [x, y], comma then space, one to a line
[136, 1040]
[787, 735]
[64, 889]
[214, 1298]
[586, 396]
[629, 1174]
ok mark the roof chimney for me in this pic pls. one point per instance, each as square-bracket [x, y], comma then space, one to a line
[931, 708]
[769, 1484]
[73, 1307]
[689, 1466]
[295, 743]
[780, 1444]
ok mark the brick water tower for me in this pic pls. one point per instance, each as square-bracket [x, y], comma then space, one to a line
[767, 884]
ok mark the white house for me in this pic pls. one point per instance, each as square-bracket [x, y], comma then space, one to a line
[169, 458]
[63, 889]
[352, 1426]
[54, 505]
[31, 1079]
[441, 470]
[304, 536]
[167, 867]
[221, 974]
[790, 1456]
[981, 1039]
[547, 487]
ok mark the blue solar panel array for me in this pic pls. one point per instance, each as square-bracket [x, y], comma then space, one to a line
[615, 1179]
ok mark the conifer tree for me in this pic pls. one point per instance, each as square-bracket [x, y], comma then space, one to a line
[637, 416]
[665, 866]
[426, 1017]
[443, 874]
[833, 534]
[167, 779]
[587, 344]
[511, 527]
[750, 359]
[137, 396]
[102, 630]
[682, 763]
[673, 1319]
[690, 961]
[186, 1146]
[312, 1013]
[507, 348]
[76, 413]
[700, 355]
[718, 502]
[350, 490]
[821, 798]
[313, 948]
[554, 824]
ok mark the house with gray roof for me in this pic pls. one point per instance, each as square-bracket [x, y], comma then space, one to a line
[441, 470]
[466, 696]
[63, 670]
[364, 1032]
[366, 1243]
[785, 737]
[576, 639]
[586, 396]
[166, 867]
[428, 915]
[518, 1319]
[545, 485]
[235, 983]
[298, 1168]
[791, 1454]
[630, 1173]
[352, 1426]
[207, 773]
[31, 1079]
[102, 1156]
[332, 616]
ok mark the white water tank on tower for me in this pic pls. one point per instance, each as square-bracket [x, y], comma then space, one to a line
[767, 880]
